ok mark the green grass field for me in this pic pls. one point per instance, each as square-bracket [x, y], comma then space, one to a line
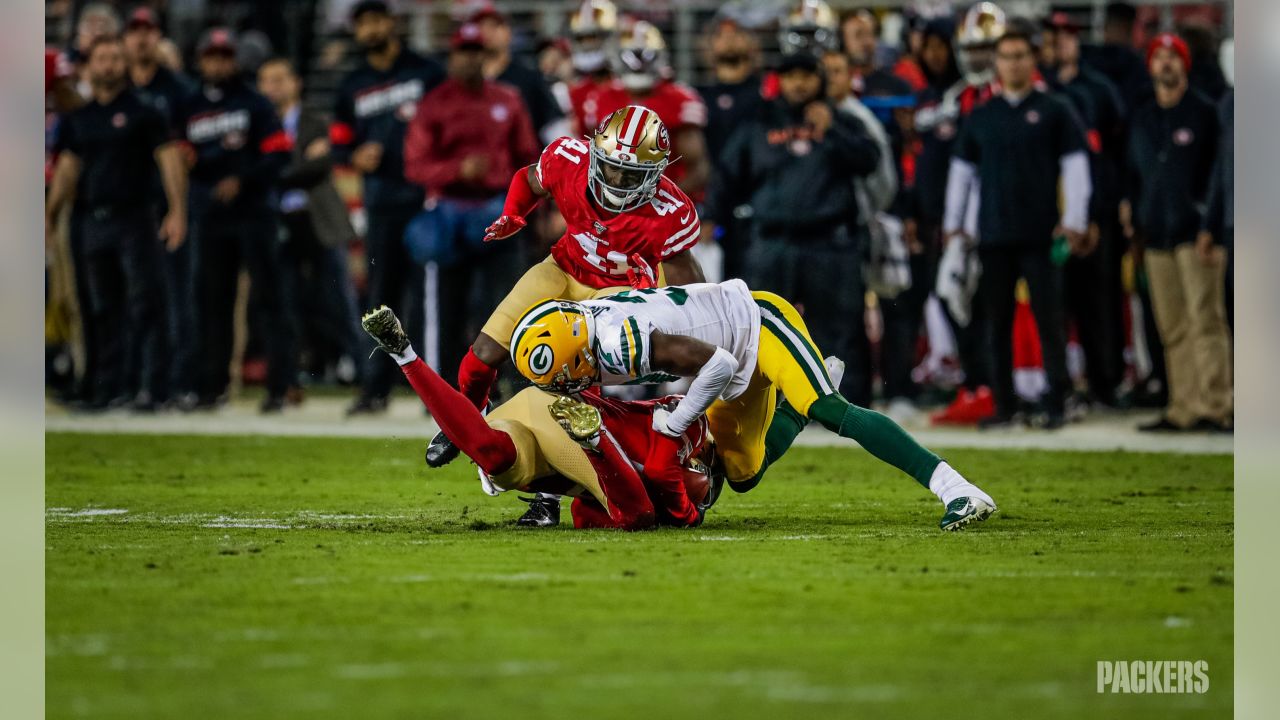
[203, 577]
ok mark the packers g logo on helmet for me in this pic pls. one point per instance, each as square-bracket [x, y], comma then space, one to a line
[551, 346]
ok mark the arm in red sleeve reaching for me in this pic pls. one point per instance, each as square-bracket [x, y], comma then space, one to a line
[522, 197]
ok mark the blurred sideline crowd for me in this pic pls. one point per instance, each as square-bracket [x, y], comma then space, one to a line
[1047, 229]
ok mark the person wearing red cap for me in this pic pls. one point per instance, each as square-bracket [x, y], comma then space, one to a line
[1173, 143]
[466, 140]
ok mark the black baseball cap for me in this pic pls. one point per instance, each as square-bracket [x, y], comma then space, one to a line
[368, 6]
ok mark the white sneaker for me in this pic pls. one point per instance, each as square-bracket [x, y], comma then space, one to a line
[835, 370]
[902, 411]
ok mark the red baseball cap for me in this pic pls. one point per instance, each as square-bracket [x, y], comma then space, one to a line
[1062, 22]
[487, 11]
[217, 40]
[142, 17]
[467, 37]
[1172, 42]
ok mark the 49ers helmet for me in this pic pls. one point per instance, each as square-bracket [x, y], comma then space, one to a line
[809, 26]
[593, 30]
[976, 36]
[629, 151]
[642, 56]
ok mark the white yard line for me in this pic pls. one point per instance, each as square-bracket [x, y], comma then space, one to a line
[323, 417]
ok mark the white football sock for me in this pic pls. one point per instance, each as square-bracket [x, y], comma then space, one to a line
[406, 357]
[948, 485]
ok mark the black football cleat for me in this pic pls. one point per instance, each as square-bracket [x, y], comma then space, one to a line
[544, 511]
[384, 327]
[440, 451]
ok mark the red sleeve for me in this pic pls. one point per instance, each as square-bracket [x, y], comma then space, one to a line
[555, 161]
[681, 228]
[424, 163]
[690, 110]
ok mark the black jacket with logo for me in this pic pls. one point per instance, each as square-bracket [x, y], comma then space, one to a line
[1171, 155]
[234, 131]
[1016, 150]
[795, 182]
[116, 145]
[376, 106]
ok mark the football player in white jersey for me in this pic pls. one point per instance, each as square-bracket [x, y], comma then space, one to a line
[741, 348]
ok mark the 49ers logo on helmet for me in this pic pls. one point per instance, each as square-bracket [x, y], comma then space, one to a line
[664, 140]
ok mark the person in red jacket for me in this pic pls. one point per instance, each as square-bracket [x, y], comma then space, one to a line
[462, 146]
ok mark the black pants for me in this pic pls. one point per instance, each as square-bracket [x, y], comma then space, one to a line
[822, 277]
[122, 258]
[324, 313]
[181, 321]
[227, 241]
[1001, 268]
[86, 380]
[1091, 302]
[394, 280]
[903, 316]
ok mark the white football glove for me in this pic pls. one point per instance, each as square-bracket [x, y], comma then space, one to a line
[660, 416]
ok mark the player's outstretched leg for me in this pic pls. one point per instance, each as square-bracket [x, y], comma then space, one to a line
[885, 439]
[789, 358]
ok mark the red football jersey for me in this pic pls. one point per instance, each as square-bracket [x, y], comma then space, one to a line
[677, 106]
[597, 245]
[584, 101]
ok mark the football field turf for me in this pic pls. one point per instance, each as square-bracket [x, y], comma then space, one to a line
[245, 577]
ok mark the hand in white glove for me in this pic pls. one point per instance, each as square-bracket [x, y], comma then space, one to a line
[660, 417]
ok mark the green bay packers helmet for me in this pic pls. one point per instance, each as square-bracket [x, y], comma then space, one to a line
[551, 346]
[629, 151]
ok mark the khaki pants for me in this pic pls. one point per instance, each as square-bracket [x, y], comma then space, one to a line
[1188, 298]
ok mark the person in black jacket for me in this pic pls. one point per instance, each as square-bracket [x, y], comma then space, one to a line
[1094, 291]
[239, 151]
[732, 98]
[318, 232]
[167, 90]
[792, 166]
[1018, 146]
[109, 149]
[1173, 142]
[374, 106]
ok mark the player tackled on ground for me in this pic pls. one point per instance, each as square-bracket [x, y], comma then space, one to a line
[624, 474]
[741, 348]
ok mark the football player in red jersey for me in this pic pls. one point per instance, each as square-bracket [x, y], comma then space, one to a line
[624, 220]
[623, 473]
[593, 31]
[645, 80]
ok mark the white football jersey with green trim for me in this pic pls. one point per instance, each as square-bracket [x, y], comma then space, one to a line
[721, 314]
